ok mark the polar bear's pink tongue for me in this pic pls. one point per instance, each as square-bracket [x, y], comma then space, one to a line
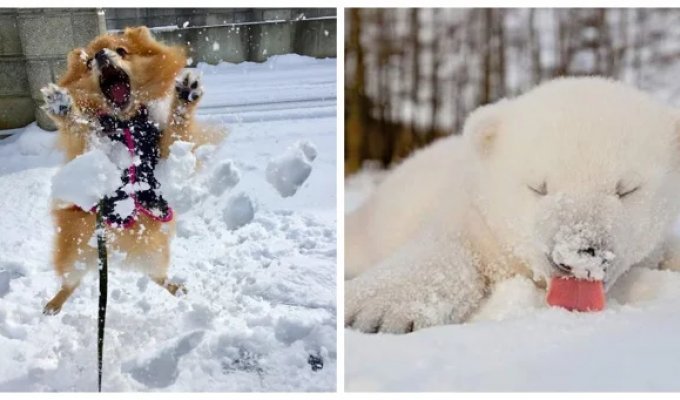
[576, 294]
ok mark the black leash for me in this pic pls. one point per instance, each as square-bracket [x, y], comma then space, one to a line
[101, 247]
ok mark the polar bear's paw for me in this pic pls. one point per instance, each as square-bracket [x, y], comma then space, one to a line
[392, 310]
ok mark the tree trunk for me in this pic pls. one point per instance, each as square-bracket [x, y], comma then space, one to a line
[354, 134]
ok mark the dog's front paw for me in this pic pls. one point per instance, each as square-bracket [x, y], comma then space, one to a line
[57, 100]
[188, 87]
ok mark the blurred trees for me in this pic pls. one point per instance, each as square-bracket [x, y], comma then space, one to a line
[413, 75]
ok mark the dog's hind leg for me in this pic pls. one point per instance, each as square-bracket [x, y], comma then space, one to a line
[175, 289]
[73, 256]
[148, 248]
[159, 273]
[54, 306]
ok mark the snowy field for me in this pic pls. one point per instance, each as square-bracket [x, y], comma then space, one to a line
[516, 343]
[260, 268]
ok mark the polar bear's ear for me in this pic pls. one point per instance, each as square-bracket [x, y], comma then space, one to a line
[482, 125]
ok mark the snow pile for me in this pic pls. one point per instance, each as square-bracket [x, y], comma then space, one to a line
[86, 179]
[239, 211]
[260, 310]
[515, 342]
[287, 172]
[4, 282]
[225, 176]
[158, 369]
[175, 173]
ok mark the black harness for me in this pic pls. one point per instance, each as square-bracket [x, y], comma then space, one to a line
[138, 183]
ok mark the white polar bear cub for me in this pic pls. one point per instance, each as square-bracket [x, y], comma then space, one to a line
[580, 176]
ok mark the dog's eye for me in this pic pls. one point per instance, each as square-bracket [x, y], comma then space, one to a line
[121, 52]
[88, 63]
[622, 192]
[540, 190]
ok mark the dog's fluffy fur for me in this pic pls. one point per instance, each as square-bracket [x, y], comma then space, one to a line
[154, 79]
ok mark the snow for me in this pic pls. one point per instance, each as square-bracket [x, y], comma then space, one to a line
[260, 310]
[175, 173]
[86, 179]
[225, 176]
[290, 170]
[239, 211]
[515, 342]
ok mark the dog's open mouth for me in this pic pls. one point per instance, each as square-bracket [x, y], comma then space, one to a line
[115, 85]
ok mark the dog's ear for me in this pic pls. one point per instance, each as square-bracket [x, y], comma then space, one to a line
[139, 33]
[482, 126]
[141, 39]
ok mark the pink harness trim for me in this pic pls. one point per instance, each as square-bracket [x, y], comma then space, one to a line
[132, 178]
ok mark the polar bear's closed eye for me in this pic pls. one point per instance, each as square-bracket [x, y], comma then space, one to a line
[623, 190]
[541, 189]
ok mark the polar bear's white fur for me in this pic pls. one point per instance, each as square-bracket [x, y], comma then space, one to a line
[580, 176]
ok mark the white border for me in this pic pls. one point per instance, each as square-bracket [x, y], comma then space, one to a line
[340, 192]
[340, 5]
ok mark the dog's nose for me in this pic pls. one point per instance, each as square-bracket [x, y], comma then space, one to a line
[101, 58]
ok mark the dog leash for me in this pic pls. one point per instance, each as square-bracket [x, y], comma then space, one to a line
[103, 278]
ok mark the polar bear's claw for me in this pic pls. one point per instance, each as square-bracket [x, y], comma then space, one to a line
[382, 312]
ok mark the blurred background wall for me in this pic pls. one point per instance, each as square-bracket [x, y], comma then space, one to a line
[119, 18]
[412, 75]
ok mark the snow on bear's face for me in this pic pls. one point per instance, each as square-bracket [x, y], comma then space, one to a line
[578, 177]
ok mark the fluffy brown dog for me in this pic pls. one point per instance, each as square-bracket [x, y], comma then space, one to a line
[119, 76]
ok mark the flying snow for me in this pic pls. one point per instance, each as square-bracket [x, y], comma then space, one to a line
[287, 172]
[86, 179]
[239, 211]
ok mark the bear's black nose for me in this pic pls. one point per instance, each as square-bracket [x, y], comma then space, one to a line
[590, 251]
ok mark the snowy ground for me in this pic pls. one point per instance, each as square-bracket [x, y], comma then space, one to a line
[261, 297]
[516, 343]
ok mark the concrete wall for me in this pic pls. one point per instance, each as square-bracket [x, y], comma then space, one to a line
[255, 41]
[33, 51]
[119, 18]
[16, 105]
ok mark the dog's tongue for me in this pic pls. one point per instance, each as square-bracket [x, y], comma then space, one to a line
[576, 294]
[119, 93]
